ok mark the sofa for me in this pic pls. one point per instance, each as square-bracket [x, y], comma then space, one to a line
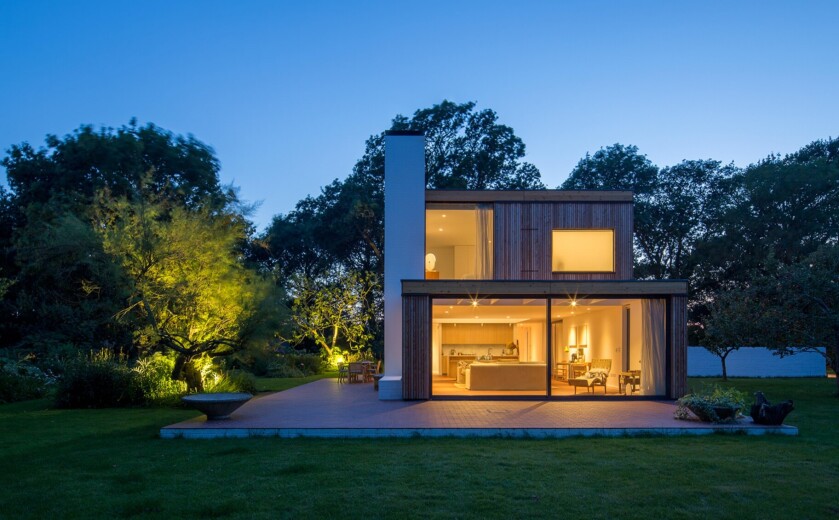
[482, 375]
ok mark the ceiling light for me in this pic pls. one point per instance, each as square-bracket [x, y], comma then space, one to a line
[444, 215]
[573, 303]
[439, 229]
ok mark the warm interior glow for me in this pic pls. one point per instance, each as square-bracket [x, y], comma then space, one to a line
[583, 250]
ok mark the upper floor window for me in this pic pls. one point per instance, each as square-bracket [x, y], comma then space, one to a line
[583, 251]
[458, 241]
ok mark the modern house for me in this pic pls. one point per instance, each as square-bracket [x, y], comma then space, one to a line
[520, 293]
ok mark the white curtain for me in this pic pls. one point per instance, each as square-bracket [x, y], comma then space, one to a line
[652, 347]
[483, 245]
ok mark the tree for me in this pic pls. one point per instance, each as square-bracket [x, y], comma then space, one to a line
[793, 307]
[775, 212]
[729, 327]
[81, 164]
[189, 286]
[67, 288]
[615, 167]
[468, 149]
[333, 313]
[780, 208]
[675, 217]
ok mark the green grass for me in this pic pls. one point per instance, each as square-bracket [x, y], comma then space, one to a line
[110, 464]
[278, 384]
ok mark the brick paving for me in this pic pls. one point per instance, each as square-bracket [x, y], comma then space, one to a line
[325, 408]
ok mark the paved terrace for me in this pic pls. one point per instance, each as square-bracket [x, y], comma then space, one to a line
[326, 408]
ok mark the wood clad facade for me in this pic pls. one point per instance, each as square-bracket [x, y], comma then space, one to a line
[523, 222]
[416, 347]
[679, 345]
[522, 237]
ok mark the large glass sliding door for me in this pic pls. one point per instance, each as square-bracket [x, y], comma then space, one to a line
[588, 347]
[489, 347]
[608, 346]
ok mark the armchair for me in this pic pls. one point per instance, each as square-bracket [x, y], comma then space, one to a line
[597, 375]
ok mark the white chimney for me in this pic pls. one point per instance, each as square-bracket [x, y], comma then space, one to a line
[404, 242]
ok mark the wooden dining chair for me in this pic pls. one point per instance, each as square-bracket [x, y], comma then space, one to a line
[342, 372]
[355, 372]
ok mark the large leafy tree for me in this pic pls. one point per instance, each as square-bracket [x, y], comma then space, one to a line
[333, 313]
[616, 167]
[775, 212]
[67, 290]
[132, 224]
[190, 291]
[674, 217]
[79, 165]
[782, 208]
[787, 307]
[468, 149]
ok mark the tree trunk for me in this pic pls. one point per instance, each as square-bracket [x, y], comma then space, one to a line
[724, 370]
[334, 339]
[834, 365]
[186, 371]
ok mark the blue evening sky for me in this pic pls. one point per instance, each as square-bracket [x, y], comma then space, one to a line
[287, 92]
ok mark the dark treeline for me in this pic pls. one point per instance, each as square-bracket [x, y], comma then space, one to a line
[108, 240]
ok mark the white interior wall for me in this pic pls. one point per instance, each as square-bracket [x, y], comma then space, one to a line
[445, 261]
[604, 327]
[464, 262]
[531, 340]
[436, 346]
[635, 336]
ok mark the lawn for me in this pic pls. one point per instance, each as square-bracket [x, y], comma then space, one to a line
[110, 463]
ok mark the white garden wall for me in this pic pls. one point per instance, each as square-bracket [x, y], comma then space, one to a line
[755, 362]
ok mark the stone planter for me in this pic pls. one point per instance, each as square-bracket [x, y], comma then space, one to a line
[217, 406]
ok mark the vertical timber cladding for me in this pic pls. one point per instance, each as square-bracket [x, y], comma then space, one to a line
[679, 313]
[416, 347]
[523, 237]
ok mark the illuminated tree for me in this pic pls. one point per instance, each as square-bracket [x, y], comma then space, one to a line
[190, 290]
[333, 312]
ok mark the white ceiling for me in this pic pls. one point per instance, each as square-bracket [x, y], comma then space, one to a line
[450, 227]
[492, 310]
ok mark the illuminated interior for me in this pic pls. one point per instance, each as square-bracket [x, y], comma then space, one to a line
[583, 250]
[492, 346]
[458, 242]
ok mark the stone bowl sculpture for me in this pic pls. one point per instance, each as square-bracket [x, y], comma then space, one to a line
[217, 406]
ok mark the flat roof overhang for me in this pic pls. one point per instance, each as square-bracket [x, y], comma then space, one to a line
[461, 196]
[552, 288]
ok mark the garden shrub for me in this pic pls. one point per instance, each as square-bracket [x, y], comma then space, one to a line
[20, 381]
[234, 381]
[281, 369]
[297, 365]
[153, 380]
[706, 402]
[98, 380]
[256, 360]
